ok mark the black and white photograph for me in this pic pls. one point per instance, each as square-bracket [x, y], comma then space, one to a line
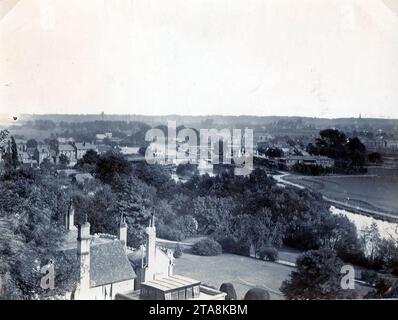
[202, 150]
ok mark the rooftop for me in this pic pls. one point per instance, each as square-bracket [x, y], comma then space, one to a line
[108, 260]
[84, 146]
[171, 283]
[66, 147]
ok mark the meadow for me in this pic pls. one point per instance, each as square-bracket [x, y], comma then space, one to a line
[377, 190]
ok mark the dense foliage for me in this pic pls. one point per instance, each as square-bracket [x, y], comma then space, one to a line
[207, 247]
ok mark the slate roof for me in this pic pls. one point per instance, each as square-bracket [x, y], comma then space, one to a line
[85, 146]
[108, 263]
[66, 147]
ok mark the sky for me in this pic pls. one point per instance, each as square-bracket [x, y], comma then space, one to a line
[320, 58]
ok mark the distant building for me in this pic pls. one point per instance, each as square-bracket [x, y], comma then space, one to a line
[103, 148]
[21, 145]
[63, 140]
[41, 153]
[82, 148]
[26, 159]
[69, 151]
[290, 161]
[81, 178]
[102, 136]
[128, 150]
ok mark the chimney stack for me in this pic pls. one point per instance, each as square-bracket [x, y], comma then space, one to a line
[123, 232]
[83, 252]
[150, 250]
[70, 218]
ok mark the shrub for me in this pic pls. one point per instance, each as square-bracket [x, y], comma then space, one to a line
[257, 294]
[229, 245]
[268, 253]
[207, 247]
[229, 289]
[166, 232]
[177, 252]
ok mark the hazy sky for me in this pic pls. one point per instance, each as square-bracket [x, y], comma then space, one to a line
[324, 58]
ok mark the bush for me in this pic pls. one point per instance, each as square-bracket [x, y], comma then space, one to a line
[229, 245]
[177, 252]
[229, 289]
[168, 233]
[268, 253]
[257, 294]
[207, 247]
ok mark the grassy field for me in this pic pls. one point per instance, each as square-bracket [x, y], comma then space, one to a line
[243, 272]
[377, 190]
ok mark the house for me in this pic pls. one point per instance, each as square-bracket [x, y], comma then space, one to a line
[81, 178]
[63, 140]
[101, 268]
[155, 278]
[103, 148]
[102, 136]
[42, 152]
[26, 159]
[290, 161]
[128, 150]
[82, 148]
[21, 145]
[69, 151]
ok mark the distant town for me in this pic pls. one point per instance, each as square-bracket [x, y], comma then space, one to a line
[111, 226]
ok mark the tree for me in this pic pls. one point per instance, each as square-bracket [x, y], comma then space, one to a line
[46, 166]
[268, 253]
[29, 235]
[31, 143]
[350, 152]
[207, 247]
[274, 152]
[14, 153]
[371, 240]
[177, 251]
[259, 230]
[356, 152]
[63, 161]
[133, 202]
[111, 165]
[212, 213]
[375, 157]
[317, 277]
[90, 157]
[3, 136]
[187, 169]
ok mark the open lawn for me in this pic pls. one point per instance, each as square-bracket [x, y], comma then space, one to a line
[243, 272]
[375, 191]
